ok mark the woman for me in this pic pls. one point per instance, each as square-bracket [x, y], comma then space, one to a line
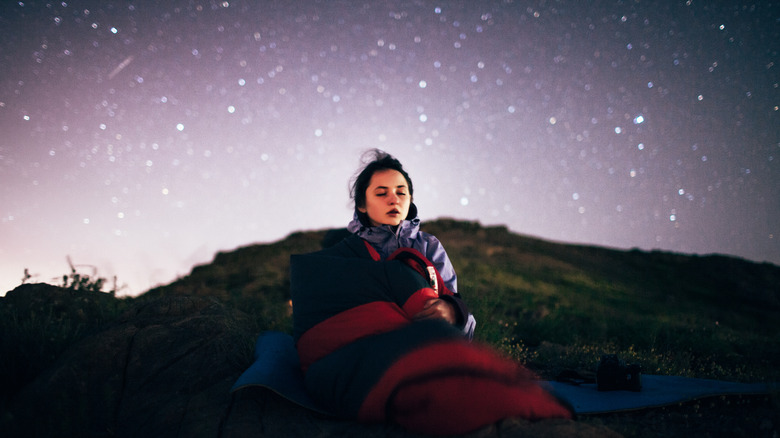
[386, 217]
[379, 327]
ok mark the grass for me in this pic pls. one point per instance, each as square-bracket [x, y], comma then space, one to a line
[680, 326]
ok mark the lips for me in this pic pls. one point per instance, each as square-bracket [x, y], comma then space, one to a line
[395, 214]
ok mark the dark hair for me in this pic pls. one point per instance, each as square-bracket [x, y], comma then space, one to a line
[375, 160]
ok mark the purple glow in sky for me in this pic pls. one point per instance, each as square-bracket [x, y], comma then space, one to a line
[142, 137]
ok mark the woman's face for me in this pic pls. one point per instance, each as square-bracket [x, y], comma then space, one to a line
[387, 198]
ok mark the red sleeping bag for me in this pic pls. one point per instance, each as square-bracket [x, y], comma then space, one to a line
[365, 358]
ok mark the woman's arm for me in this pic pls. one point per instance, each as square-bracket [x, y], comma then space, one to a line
[435, 253]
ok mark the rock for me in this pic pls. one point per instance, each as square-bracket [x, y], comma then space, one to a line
[163, 369]
[39, 322]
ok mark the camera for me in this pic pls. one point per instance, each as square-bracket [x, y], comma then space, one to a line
[613, 374]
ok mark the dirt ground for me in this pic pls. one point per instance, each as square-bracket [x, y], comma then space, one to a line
[729, 416]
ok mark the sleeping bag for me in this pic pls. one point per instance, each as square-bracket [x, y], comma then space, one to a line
[366, 358]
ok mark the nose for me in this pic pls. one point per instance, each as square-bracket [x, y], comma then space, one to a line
[393, 199]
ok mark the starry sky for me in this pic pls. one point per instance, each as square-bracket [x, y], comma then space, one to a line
[140, 138]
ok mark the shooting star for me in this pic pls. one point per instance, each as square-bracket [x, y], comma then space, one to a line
[121, 66]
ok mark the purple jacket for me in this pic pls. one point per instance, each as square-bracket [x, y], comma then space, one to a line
[408, 235]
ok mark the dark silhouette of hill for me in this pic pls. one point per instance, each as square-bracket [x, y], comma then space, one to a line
[726, 280]
[86, 363]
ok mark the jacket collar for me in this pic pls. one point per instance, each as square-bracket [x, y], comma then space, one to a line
[408, 228]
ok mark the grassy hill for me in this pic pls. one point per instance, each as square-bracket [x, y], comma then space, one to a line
[551, 306]
[556, 306]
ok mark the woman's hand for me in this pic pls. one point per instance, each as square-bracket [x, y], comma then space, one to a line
[437, 308]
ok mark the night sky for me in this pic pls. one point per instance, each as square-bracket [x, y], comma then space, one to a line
[140, 138]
